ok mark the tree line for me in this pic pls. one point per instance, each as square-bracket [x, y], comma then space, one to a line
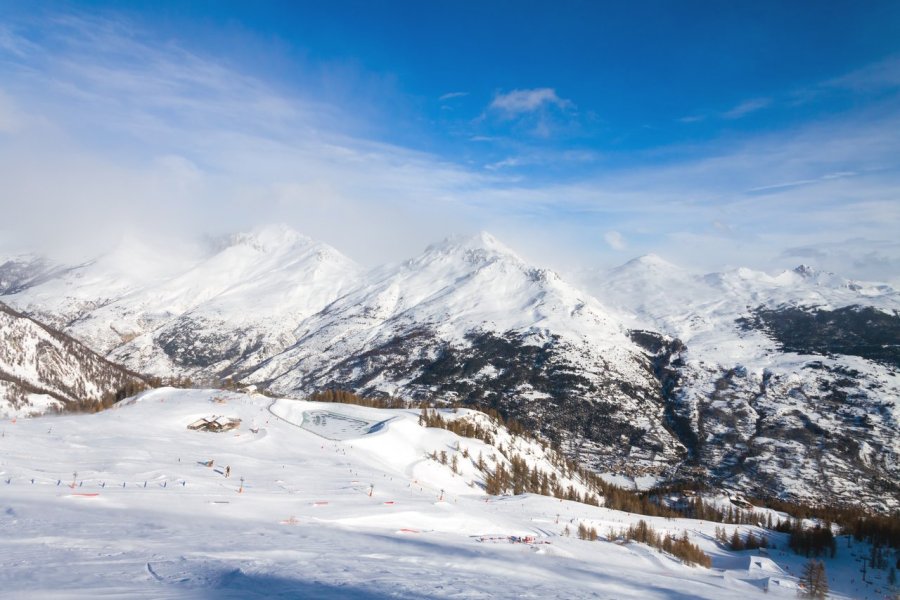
[882, 530]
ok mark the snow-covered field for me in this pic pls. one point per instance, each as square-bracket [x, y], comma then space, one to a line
[123, 504]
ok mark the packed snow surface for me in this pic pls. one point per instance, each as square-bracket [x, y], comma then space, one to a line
[322, 501]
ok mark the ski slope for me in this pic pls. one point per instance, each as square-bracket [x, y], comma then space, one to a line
[323, 501]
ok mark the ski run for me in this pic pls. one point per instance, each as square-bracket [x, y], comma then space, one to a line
[315, 500]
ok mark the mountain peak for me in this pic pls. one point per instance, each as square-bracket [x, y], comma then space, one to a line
[805, 271]
[649, 262]
[476, 248]
[654, 260]
[267, 238]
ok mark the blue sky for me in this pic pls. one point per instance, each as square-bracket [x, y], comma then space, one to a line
[582, 133]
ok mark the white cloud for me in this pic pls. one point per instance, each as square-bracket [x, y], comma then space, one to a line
[700, 211]
[615, 240]
[884, 74]
[452, 95]
[506, 163]
[746, 107]
[526, 101]
[121, 131]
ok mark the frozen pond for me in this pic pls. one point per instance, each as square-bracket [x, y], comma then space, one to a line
[335, 426]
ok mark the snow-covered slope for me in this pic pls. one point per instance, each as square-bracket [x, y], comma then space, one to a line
[323, 501]
[653, 293]
[42, 369]
[192, 312]
[782, 382]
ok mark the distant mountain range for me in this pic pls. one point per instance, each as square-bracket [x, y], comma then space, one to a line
[782, 384]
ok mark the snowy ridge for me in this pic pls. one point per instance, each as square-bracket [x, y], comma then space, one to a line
[251, 290]
[452, 289]
[42, 369]
[762, 380]
[366, 516]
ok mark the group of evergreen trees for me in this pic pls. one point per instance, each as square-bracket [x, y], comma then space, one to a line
[680, 547]
[461, 427]
[587, 533]
[348, 397]
[737, 543]
[809, 541]
[519, 478]
[883, 529]
[107, 400]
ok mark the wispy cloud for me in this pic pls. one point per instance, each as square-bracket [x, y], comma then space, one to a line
[738, 111]
[747, 107]
[506, 163]
[533, 113]
[800, 182]
[881, 75]
[615, 240]
[731, 205]
[13, 43]
[121, 130]
[452, 95]
[526, 101]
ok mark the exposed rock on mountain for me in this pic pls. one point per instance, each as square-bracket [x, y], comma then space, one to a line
[782, 383]
[44, 370]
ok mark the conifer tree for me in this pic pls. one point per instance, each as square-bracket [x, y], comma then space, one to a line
[814, 580]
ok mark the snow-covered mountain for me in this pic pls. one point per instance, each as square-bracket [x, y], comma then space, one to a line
[787, 382]
[196, 313]
[469, 321]
[42, 370]
[466, 321]
[668, 375]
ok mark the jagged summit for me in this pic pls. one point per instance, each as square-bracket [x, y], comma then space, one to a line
[478, 248]
[270, 238]
[805, 271]
[481, 240]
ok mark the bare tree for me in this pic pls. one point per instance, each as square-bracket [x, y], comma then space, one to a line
[814, 580]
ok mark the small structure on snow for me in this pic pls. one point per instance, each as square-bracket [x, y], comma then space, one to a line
[740, 502]
[215, 424]
[765, 574]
